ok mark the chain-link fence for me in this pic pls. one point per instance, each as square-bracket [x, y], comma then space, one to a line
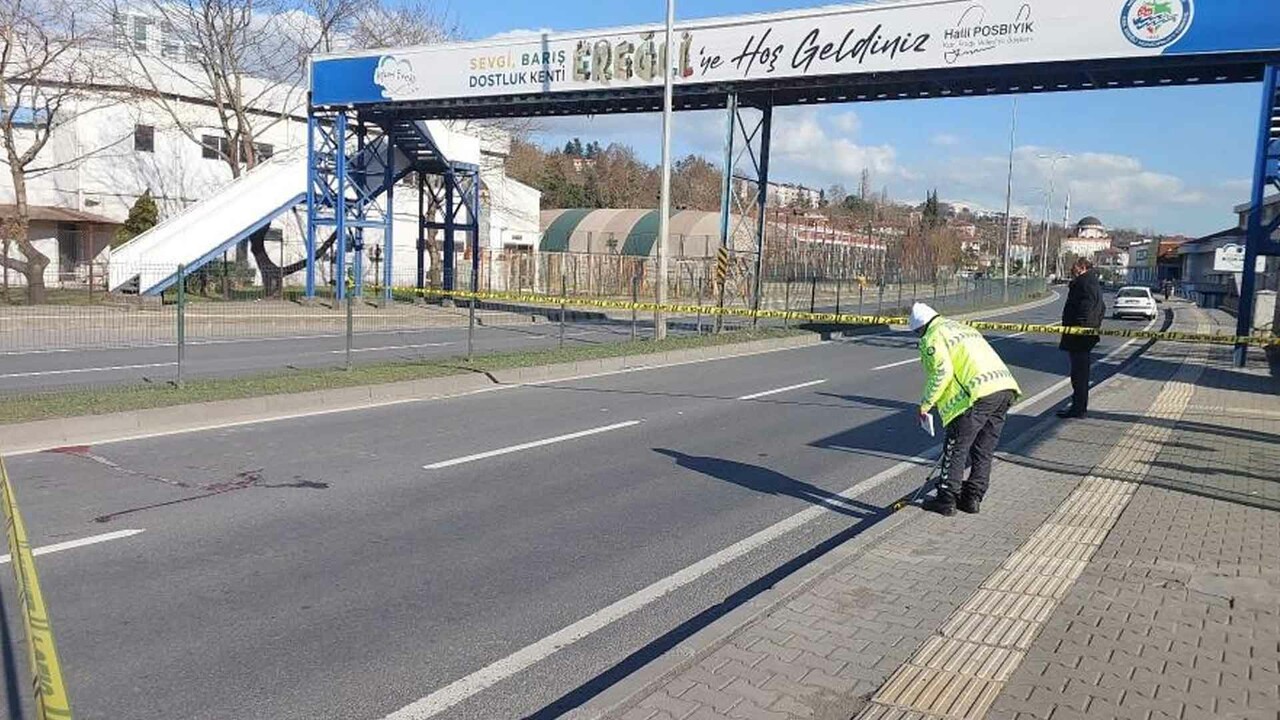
[224, 320]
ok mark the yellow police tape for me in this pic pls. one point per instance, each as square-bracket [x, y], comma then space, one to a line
[835, 318]
[49, 690]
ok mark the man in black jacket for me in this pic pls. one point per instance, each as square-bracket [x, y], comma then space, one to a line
[1084, 308]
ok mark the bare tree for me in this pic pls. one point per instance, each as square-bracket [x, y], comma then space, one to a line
[415, 22]
[245, 58]
[45, 73]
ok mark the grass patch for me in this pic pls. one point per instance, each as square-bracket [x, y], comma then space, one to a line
[45, 406]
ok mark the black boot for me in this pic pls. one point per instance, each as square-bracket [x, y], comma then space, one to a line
[943, 504]
[968, 503]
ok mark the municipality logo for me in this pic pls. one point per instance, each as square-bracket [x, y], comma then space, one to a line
[1155, 23]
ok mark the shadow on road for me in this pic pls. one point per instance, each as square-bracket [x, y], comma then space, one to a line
[867, 517]
[768, 482]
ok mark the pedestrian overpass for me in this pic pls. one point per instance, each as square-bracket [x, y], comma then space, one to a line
[368, 109]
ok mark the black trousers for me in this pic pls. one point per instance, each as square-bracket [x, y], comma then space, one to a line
[1081, 365]
[972, 439]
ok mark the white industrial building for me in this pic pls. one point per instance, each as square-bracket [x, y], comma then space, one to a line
[108, 147]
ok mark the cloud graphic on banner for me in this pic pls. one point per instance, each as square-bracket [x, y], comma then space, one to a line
[394, 76]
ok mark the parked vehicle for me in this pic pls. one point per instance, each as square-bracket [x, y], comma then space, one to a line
[1135, 301]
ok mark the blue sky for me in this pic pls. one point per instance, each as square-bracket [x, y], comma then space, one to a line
[1174, 160]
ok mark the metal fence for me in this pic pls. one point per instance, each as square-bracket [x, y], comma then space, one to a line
[224, 321]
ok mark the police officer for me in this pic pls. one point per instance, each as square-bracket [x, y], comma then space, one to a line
[972, 389]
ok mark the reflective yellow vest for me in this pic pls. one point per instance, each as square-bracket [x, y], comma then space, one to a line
[959, 367]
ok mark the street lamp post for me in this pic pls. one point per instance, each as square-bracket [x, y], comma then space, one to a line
[1048, 202]
[1008, 199]
[664, 212]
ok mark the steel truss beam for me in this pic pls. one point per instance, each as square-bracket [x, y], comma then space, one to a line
[353, 164]
[1266, 176]
[747, 138]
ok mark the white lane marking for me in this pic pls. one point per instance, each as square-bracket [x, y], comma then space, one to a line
[72, 544]
[393, 347]
[73, 371]
[894, 365]
[1024, 407]
[779, 391]
[490, 675]
[1006, 337]
[405, 401]
[530, 445]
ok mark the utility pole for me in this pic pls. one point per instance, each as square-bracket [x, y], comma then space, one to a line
[1066, 223]
[1008, 199]
[664, 212]
[1048, 202]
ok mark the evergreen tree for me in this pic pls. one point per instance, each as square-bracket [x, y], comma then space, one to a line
[932, 213]
[577, 148]
[142, 217]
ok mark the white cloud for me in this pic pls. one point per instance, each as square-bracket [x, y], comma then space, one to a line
[1119, 189]
[520, 33]
[847, 122]
[945, 140]
[815, 151]
[1239, 186]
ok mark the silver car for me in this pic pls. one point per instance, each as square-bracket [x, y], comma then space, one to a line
[1135, 302]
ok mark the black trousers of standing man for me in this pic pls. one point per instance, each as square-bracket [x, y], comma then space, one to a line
[972, 438]
[1081, 364]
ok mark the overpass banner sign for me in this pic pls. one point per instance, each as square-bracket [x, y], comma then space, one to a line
[884, 37]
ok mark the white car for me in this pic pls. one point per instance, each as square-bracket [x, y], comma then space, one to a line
[1135, 302]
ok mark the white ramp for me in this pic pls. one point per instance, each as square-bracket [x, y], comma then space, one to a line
[204, 230]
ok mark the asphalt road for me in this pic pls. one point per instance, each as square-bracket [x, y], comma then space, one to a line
[345, 566]
[62, 369]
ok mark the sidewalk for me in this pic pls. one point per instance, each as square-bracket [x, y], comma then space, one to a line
[1146, 585]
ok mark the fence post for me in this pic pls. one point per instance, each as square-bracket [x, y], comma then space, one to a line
[839, 282]
[813, 295]
[635, 298]
[786, 303]
[351, 305]
[471, 326]
[182, 319]
[562, 306]
[701, 289]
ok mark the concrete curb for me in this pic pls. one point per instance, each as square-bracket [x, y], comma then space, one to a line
[41, 435]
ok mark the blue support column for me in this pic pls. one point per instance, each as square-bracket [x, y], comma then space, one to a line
[1266, 173]
[473, 212]
[726, 188]
[363, 200]
[312, 158]
[766, 132]
[422, 233]
[450, 225]
[388, 245]
[341, 242]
